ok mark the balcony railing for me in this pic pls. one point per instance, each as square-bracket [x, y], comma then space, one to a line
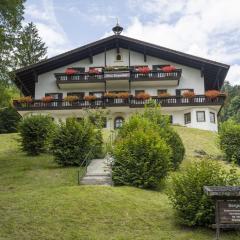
[173, 101]
[111, 75]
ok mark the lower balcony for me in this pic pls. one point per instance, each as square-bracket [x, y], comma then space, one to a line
[133, 102]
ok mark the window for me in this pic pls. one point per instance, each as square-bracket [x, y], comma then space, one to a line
[179, 92]
[118, 57]
[161, 91]
[118, 122]
[97, 94]
[187, 118]
[200, 116]
[212, 117]
[78, 94]
[139, 91]
[56, 96]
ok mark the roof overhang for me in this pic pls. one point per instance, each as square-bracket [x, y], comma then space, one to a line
[214, 72]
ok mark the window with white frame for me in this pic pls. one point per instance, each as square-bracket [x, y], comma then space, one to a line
[187, 118]
[201, 116]
[212, 117]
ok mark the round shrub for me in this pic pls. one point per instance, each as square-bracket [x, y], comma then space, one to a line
[192, 206]
[141, 159]
[175, 142]
[229, 136]
[75, 141]
[9, 120]
[36, 132]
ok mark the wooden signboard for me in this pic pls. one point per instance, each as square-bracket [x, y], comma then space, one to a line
[229, 212]
[227, 201]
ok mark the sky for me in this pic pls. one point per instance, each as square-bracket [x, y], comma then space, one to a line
[205, 28]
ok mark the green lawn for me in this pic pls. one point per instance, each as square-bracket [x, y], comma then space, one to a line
[39, 200]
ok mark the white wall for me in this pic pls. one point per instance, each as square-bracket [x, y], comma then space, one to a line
[191, 78]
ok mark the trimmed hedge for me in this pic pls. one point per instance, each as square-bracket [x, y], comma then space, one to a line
[36, 132]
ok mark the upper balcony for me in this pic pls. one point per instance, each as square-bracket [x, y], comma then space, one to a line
[107, 80]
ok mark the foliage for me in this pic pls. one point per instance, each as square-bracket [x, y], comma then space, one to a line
[36, 132]
[75, 141]
[30, 47]
[11, 15]
[167, 133]
[229, 136]
[9, 119]
[47, 99]
[192, 206]
[26, 99]
[90, 98]
[231, 107]
[97, 117]
[123, 95]
[141, 158]
[164, 94]
[7, 94]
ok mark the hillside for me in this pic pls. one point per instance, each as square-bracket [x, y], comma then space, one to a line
[39, 200]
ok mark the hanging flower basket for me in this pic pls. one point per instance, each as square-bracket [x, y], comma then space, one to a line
[168, 69]
[70, 71]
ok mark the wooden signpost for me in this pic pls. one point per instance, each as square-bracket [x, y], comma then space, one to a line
[227, 201]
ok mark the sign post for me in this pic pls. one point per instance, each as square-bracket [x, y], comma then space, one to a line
[227, 206]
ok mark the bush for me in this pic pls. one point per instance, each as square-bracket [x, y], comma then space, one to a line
[141, 159]
[229, 136]
[9, 120]
[167, 133]
[36, 132]
[186, 193]
[75, 141]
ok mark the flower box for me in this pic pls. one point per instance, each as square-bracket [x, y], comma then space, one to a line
[212, 94]
[90, 98]
[93, 71]
[71, 98]
[143, 70]
[110, 95]
[27, 99]
[70, 71]
[188, 94]
[164, 95]
[168, 69]
[123, 95]
[47, 99]
[143, 96]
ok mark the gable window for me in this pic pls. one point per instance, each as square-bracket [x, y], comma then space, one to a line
[200, 116]
[187, 118]
[118, 122]
[212, 117]
[118, 57]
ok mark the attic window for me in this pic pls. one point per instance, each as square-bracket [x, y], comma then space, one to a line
[118, 57]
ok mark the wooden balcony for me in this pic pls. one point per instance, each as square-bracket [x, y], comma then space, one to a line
[173, 101]
[153, 78]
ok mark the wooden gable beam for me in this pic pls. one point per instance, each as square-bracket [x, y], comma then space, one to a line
[144, 55]
[117, 46]
[90, 56]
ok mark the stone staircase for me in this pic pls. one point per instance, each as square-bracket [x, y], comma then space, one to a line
[98, 173]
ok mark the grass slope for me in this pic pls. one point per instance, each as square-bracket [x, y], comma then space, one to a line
[39, 200]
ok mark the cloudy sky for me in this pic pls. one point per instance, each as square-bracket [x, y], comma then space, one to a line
[205, 28]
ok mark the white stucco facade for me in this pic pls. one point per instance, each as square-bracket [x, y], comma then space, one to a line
[191, 78]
